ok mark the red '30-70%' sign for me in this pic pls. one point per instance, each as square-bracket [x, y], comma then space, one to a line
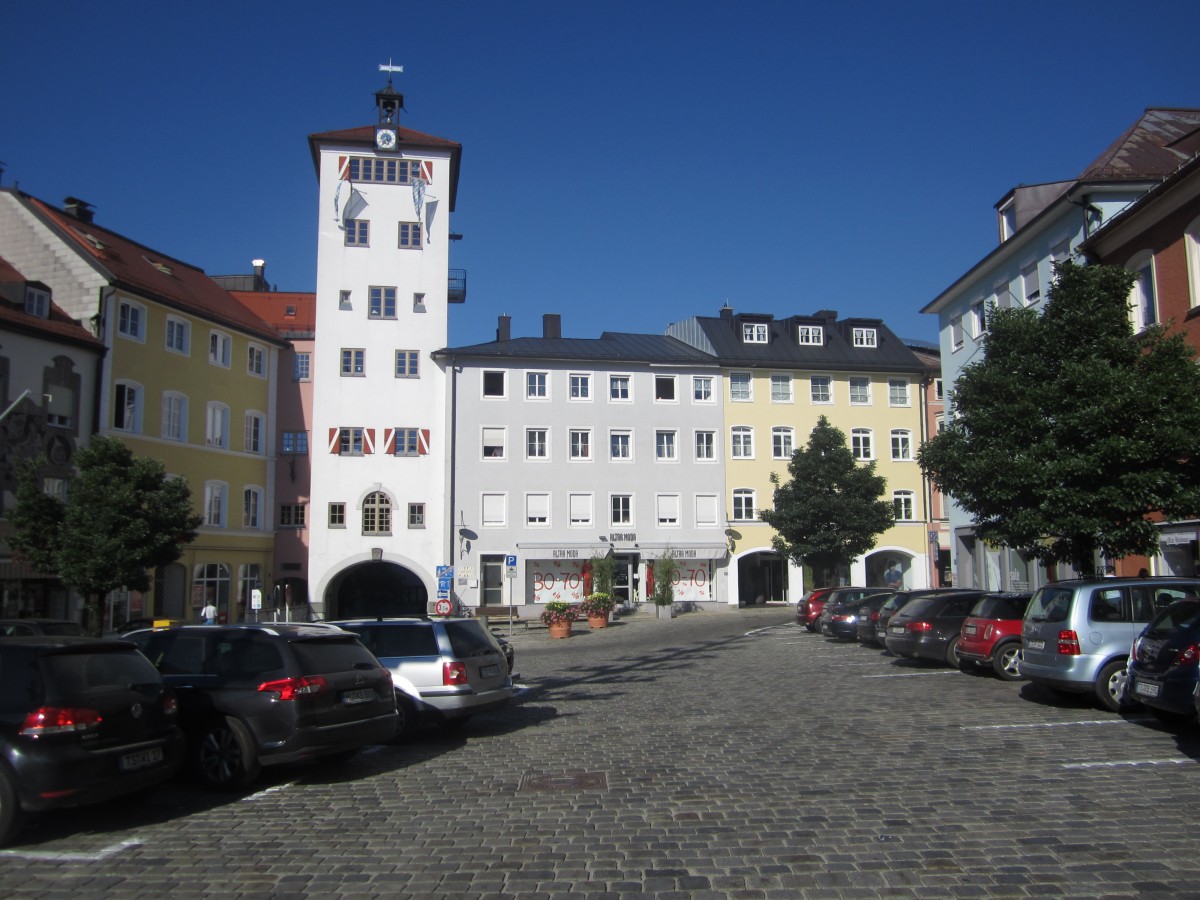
[563, 580]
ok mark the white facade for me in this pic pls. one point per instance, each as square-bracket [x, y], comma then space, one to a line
[364, 403]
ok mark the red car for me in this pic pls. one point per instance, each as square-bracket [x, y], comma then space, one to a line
[991, 634]
[808, 610]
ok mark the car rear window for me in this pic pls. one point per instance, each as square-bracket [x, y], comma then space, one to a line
[415, 639]
[1050, 604]
[82, 674]
[920, 606]
[996, 607]
[469, 639]
[20, 679]
[1184, 614]
[319, 655]
[61, 628]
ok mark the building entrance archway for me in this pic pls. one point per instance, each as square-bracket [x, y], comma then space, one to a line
[374, 589]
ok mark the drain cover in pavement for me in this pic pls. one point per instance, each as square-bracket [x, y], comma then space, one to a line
[565, 781]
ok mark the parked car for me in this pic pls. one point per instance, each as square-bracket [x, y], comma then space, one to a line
[868, 616]
[991, 634]
[81, 721]
[443, 670]
[258, 695]
[930, 627]
[894, 604]
[808, 610]
[1077, 634]
[1163, 664]
[839, 618]
[58, 627]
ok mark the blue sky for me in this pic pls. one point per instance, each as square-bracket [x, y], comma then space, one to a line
[625, 164]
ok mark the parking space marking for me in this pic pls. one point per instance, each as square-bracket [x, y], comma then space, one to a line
[1056, 724]
[1112, 764]
[274, 789]
[914, 674]
[53, 856]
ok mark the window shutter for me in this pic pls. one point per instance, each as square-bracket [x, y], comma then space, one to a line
[427, 170]
[368, 440]
[335, 443]
[343, 168]
[423, 442]
[389, 441]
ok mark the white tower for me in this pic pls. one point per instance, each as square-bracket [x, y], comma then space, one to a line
[380, 431]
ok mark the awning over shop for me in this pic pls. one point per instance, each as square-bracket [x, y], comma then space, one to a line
[559, 550]
[684, 551]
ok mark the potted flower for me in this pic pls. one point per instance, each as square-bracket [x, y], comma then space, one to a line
[596, 607]
[558, 616]
[663, 572]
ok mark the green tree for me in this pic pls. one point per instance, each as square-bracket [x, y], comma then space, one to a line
[1072, 431]
[122, 517]
[830, 511]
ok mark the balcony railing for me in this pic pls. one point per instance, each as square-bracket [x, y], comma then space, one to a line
[456, 287]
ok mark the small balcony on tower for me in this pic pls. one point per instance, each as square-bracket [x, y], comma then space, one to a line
[456, 286]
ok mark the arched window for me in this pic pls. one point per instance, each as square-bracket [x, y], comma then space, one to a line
[377, 514]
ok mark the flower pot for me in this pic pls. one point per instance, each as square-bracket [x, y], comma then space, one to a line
[665, 612]
[560, 629]
[597, 620]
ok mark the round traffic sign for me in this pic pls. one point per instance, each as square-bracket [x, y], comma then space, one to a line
[443, 607]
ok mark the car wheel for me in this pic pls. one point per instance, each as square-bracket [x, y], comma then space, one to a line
[1109, 684]
[1006, 661]
[225, 757]
[810, 627]
[952, 653]
[12, 817]
[406, 717]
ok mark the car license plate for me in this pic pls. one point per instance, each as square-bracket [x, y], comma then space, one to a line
[881, 634]
[1145, 689]
[968, 629]
[362, 695]
[489, 671]
[1035, 645]
[141, 759]
[896, 629]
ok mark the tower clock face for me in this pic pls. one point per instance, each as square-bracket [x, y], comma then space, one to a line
[385, 138]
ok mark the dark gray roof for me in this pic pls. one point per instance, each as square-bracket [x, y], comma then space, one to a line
[658, 349]
[782, 350]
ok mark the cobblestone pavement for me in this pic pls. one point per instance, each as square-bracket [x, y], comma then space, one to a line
[727, 754]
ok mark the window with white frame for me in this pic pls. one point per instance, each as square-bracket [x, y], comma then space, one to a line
[409, 236]
[860, 391]
[619, 387]
[1031, 284]
[358, 233]
[537, 443]
[537, 510]
[620, 444]
[416, 515]
[374, 170]
[706, 446]
[902, 445]
[377, 513]
[864, 337]
[256, 361]
[580, 510]
[220, 349]
[536, 385]
[407, 442]
[755, 332]
[252, 508]
[345, 300]
[862, 443]
[1191, 240]
[37, 302]
[978, 318]
[580, 386]
[62, 407]
[781, 388]
[381, 302]
[494, 384]
[337, 515]
[702, 388]
[174, 416]
[351, 441]
[216, 503]
[667, 510]
[938, 389]
[782, 442]
[581, 443]
[127, 407]
[741, 442]
[131, 320]
[216, 427]
[179, 335]
[821, 389]
[354, 362]
[898, 392]
[810, 335]
[255, 437]
[664, 388]
[493, 442]
[493, 509]
[1144, 299]
[665, 445]
[1007, 216]
[903, 506]
[740, 387]
[302, 370]
[956, 332]
[408, 363]
[744, 505]
[706, 507]
[621, 509]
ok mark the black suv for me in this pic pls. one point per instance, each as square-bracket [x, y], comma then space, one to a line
[81, 721]
[257, 695]
[57, 627]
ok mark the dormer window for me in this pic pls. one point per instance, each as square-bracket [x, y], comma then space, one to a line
[37, 302]
[865, 337]
[811, 335]
[1008, 220]
[161, 266]
[754, 333]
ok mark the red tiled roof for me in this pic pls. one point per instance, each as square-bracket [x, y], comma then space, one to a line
[274, 306]
[152, 273]
[58, 325]
[1155, 145]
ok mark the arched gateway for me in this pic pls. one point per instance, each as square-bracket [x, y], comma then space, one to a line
[376, 588]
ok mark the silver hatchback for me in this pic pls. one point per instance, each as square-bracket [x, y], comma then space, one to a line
[1076, 634]
[444, 670]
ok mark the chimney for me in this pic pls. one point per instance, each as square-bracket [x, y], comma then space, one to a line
[727, 312]
[551, 325]
[260, 275]
[79, 209]
[504, 328]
